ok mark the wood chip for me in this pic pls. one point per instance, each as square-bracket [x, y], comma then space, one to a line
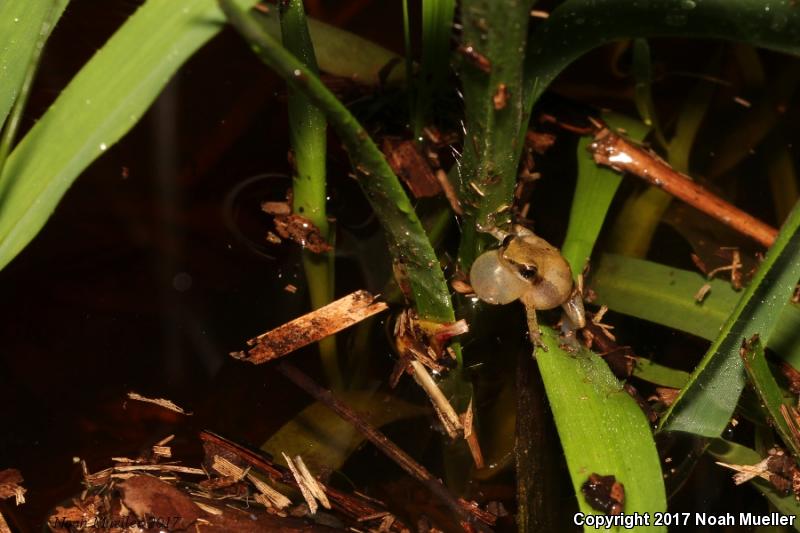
[227, 468]
[207, 508]
[307, 484]
[162, 451]
[302, 231]
[290, 288]
[410, 166]
[161, 402]
[702, 292]
[461, 287]
[276, 208]
[313, 484]
[471, 437]
[160, 468]
[11, 485]
[447, 415]
[272, 496]
[311, 327]
[449, 192]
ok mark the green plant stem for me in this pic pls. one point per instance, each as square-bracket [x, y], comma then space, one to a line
[495, 32]
[414, 258]
[308, 137]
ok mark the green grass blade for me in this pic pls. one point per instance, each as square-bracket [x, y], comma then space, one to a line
[706, 404]
[437, 25]
[308, 139]
[760, 376]
[577, 26]
[659, 374]
[409, 245]
[588, 403]
[495, 31]
[11, 126]
[665, 295]
[96, 109]
[736, 454]
[595, 189]
[334, 48]
[22, 23]
[601, 427]
[325, 440]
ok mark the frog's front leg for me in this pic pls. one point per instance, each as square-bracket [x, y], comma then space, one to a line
[534, 332]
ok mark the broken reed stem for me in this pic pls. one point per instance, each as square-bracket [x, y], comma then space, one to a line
[611, 150]
[311, 327]
[447, 415]
[465, 512]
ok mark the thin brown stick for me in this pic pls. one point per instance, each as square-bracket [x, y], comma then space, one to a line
[469, 515]
[312, 327]
[613, 151]
[355, 505]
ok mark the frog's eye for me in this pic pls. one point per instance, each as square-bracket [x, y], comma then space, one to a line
[495, 281]
[528, 272]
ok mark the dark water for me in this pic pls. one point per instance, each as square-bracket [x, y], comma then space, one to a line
[152, 269]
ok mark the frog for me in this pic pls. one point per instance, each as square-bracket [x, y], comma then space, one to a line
[528, 268]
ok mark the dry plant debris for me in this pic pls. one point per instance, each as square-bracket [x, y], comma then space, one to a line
[161, 402]
[302, 231]
[778, 467]
[4, 525]
[11, 485]
[116, 499]
[309, 486]
[410, 165]
[354, 507]
[311, 327]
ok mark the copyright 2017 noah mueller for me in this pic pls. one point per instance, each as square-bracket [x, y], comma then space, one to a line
[631, 520]
[111, 522]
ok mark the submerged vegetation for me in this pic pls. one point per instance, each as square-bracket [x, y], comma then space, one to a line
[473, 121]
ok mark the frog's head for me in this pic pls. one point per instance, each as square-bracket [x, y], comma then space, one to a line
[525, 265]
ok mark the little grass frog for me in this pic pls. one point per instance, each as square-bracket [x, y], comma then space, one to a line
[529, 269]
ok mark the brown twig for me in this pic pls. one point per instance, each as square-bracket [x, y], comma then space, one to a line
[354, 506]
[613, 151]
[311, 327]
[470, 516]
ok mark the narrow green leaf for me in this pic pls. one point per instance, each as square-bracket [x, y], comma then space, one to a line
[706, 404]
[334, 48]
[601, 428]
[594, 191]
[324, 439]
[735, 454]
[96, 109]
[11, 126]
[757, 369]
[653, 372]
[579, 388]
[494, 33]
[409, 246]
[22, 23]
[665, 295]
[437, 26]
[577, 26]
